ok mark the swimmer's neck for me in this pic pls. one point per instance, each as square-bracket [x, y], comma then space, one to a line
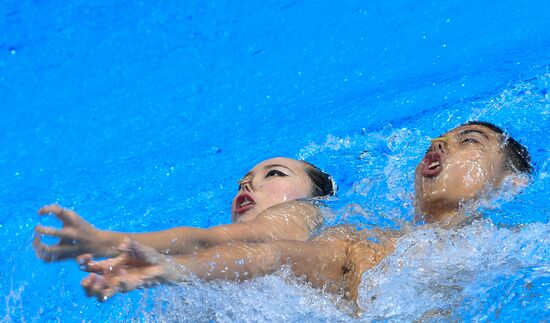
[445, 219]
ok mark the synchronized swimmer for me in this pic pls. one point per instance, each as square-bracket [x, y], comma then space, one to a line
[461, 167]
[273, 203]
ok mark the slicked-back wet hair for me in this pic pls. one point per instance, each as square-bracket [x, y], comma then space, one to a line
[516, 157]
[322, 183]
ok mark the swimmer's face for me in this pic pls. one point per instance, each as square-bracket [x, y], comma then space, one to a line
[459, 166]
[271, 182]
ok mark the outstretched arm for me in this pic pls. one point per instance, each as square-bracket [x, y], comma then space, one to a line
[138, 266]
[294, 220]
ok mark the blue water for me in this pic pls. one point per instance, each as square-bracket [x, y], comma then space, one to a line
[141, 116]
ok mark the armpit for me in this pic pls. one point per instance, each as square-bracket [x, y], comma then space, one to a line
[362, 256]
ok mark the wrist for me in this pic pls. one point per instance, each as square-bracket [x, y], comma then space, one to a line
[173, 271]
[108, 243]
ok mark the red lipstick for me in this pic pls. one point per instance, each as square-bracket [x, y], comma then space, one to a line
[243, 203]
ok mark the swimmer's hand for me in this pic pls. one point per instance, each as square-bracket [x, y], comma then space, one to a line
[77, 237]
[136, 266]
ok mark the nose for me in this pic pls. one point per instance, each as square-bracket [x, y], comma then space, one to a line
[246, 184]
[439, 144]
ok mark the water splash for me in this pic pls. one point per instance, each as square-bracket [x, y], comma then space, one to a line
[289, 300]
[436, 273]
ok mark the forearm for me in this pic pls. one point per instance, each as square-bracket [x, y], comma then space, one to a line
[295, 220]
[187, 240]
[138, 266]
[176, 241]
[320, 262]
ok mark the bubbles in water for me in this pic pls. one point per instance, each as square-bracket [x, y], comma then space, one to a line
[434, 270]
[271, 298]
[331, 143]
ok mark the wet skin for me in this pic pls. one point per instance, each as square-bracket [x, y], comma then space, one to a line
[264, 209]
[459, 166]
[271, 182]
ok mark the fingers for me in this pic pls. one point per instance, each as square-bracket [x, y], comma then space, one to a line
[104, 286]
[40, 249]
[100, 286]
[46, 209]
[55, 232]
[52, 253]
[36, 246]
[102, 267]
[65, 215]
[84, 259]
[66, 248]
[88, 282]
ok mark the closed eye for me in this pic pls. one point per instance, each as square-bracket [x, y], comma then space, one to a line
[467, 140]
[275, 172]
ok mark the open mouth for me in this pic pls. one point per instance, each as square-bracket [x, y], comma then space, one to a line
[432, 164]
[243, 203]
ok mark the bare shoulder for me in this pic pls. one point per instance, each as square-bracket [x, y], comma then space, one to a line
[296, 219]
[367, 252]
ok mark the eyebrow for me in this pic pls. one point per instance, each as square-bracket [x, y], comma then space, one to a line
[467, 131]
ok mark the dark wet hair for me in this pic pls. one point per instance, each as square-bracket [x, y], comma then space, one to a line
[322, 183]
[517, 157]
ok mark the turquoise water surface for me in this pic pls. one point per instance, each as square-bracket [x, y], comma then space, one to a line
[141, 116]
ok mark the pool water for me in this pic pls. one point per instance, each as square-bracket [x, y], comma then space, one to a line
[142, 116]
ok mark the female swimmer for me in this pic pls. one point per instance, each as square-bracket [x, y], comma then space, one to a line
[271, 204]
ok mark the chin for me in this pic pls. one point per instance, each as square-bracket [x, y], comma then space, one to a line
[247, 216]
[430, 189]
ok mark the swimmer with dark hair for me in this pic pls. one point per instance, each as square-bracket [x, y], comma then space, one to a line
[274, 201]
[463, 165]
[460, 167]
